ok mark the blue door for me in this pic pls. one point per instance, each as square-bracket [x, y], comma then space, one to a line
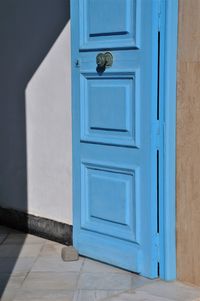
[114, 74]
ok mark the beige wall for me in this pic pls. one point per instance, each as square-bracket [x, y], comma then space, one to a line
[188, 143]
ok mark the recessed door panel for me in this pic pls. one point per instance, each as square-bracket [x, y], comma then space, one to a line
[108, 23]
[109, 200]
[109, 109]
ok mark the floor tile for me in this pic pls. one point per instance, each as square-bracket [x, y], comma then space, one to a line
[50, 281]
[49, 264]
[20, 250]
[105, 281]
[38, 295]
[31, 269]
[9, 286]
[99, 267]
[16, 266]
[20, 238]
[137, 296]
[2, 238]
[172, 290]
[51, 249]
[4, 230]
[9, 281]
[94, 295]
[9, 295]
[139, 281]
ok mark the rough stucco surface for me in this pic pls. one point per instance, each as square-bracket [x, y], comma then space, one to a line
[188, 143]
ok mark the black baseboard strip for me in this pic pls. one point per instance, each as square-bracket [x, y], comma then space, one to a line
[38, 226]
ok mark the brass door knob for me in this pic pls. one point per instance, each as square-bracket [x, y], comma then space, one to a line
[104, 60]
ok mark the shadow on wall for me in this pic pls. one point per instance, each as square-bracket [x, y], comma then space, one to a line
[28, 29]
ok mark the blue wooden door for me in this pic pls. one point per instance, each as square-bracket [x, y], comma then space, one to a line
[114, 132]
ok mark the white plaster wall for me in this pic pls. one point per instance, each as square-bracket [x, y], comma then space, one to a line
[48, 131]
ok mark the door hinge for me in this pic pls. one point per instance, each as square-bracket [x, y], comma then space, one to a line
[158, 134]
[159, 15]
[157, 243]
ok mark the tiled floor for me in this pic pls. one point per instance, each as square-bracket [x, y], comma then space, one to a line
[31, 268]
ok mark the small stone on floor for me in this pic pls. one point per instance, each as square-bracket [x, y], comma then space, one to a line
[69, 254]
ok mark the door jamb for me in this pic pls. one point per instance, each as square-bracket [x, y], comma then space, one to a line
[167, 206]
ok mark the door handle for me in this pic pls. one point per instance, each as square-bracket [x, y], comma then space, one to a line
[104, 60]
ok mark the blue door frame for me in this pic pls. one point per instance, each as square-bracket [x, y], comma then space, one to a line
[167, 206]
[168, 23]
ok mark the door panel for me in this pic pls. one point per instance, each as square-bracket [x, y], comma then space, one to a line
[104, 27]
[108, 109]
[114, 140]
[108, 200]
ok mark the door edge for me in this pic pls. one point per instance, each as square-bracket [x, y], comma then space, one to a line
[167, 220]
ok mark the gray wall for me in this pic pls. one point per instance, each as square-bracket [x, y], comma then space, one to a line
[35, 118]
